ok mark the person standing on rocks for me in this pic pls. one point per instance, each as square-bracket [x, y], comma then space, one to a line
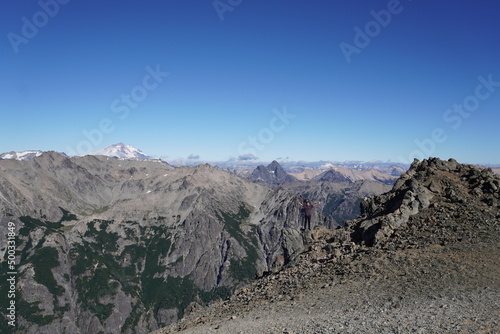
[308, 210]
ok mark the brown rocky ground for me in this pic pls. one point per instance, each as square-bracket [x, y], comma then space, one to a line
[436, 270]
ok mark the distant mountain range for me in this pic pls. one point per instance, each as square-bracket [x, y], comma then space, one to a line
[119, 150]
[117, 242]
[301, 170]
[339, 186]
[298, 169]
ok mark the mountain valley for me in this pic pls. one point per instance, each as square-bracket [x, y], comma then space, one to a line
[119, 245]
[130, 245]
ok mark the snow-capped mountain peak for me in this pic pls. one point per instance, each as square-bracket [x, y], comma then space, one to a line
[121, 150]
[24, 155]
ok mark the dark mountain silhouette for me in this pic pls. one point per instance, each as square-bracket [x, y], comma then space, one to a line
[273, 174]
[331, 176]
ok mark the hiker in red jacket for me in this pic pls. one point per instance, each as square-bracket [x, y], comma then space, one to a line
[308, 210]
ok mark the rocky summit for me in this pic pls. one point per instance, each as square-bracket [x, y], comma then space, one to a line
[273, 174]
[421, 258]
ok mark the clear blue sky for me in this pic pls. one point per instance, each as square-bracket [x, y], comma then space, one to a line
[303, 80]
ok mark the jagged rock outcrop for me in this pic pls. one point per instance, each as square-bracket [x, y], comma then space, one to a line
[427, 183]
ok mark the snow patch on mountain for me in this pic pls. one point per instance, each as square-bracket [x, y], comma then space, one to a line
[121, 150]
[21, 156]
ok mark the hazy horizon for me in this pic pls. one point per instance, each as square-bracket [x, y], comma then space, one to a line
[196, 160]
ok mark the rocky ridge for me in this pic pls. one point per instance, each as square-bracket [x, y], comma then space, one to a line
[384, 175]
[422, 258]
[414, 191]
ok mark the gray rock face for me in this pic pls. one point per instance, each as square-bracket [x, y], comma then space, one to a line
[332, 176]
[108, 245]
[424, 184]
[293, 244]
[272, 174]
[339, 200]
